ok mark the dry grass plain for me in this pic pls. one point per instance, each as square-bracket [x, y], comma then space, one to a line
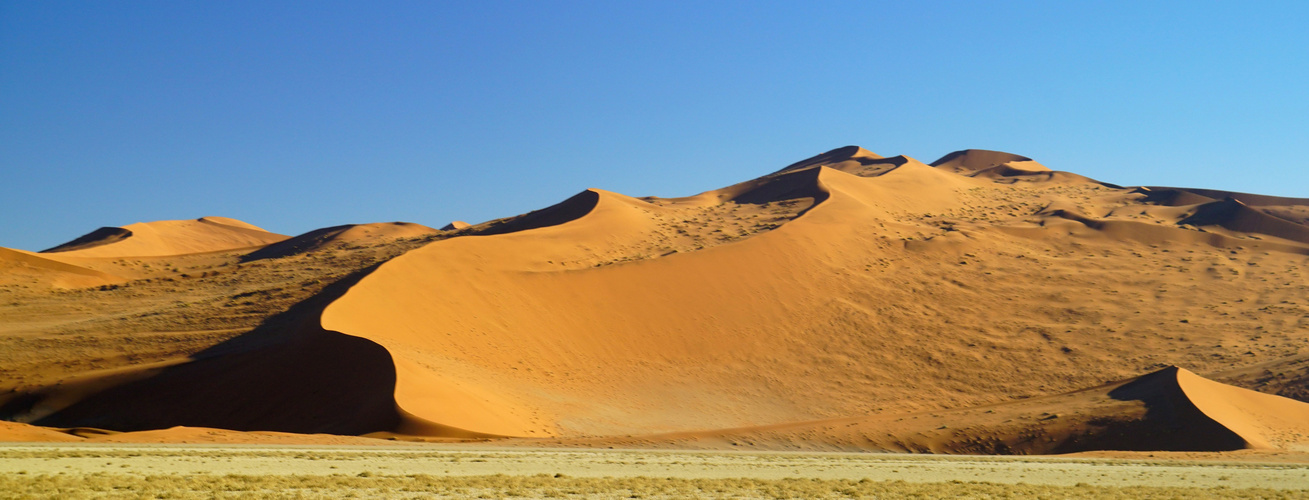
[413, 471]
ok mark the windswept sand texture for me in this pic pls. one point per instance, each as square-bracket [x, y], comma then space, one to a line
[980, 304]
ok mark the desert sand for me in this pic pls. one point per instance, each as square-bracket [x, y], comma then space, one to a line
[982, 303]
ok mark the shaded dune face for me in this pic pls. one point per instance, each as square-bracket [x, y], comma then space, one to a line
[1236, 216]
[102, 236]
[1172, 420]
[977, 160]
[313, 382]
[288, 375]
[568, 210]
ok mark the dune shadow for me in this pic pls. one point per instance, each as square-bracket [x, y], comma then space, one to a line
[573, 208]
[286, 375]
[296, 245]
[1171, 422]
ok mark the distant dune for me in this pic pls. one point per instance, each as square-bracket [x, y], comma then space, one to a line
[17, 266]
[340, 236]
[982, 303]
[169, 237]
[455, 226]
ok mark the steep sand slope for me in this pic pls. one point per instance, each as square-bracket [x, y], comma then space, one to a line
[169, 237]
[494, 334]
[1172, 409]
[523, 333]
[1261, 420]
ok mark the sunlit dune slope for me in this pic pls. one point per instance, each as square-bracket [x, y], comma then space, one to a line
[1260, 420]
[521, 333]
[170, 237]
[549, 331]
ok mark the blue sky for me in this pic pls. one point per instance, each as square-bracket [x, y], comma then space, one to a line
[294, 116]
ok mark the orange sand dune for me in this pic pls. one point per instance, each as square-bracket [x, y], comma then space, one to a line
[1291, 209]
[1169, 410]
[1254, 200]
[1260, 420]
[847, 157]
[1001, 167]
[977, 160]
[287, 375]
[338, 236]
[12, 432]
[18, 266]
[16, 432]
[928, 309]
[1233, 215]
[455, 225]
[169, 237]
[496, 334]
[1071, 223]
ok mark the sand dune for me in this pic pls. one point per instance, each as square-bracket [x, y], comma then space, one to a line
[1169, 410]
[17, 266]
[1260, 420]
[1173, 197]
[846, 157]
[1233, 215]
[976, 160]
[561, 335]
[565, 333]
[1256, 200]
[339, 236]
[170, 237]
[847, 301]
[455, 225]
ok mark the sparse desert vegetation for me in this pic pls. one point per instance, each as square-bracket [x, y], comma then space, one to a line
[205, 472]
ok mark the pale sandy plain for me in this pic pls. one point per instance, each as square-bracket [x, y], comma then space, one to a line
[979, 304]
[469, 471]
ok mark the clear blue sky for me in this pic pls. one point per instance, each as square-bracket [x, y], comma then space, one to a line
[294, 116]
